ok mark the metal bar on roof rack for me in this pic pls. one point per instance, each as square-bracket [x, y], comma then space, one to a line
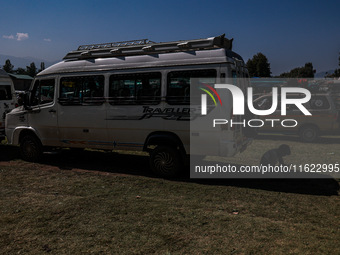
[114, 44]
[145, 46]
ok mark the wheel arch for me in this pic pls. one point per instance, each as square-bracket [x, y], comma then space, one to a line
[305, 125]
[20, 132]
[164, 138]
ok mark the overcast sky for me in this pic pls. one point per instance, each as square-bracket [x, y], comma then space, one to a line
[289, 33]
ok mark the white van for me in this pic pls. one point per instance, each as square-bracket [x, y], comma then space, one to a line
[127, 96]
[7, 99]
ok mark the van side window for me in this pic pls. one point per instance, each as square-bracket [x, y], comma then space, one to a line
[135, 89]
[43, 92]
[5, 92]
[178, 89]
[82, 90]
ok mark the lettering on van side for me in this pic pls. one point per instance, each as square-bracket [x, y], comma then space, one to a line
[148, 109]
[170, 113]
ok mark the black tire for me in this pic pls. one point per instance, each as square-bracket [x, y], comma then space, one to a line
[31, 148]
[165, 161]
[319, 103]
[309, 134]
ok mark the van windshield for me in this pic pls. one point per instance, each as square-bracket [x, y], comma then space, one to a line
[5, 92]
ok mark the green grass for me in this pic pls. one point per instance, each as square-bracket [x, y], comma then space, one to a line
[326, 150]
[108, 203]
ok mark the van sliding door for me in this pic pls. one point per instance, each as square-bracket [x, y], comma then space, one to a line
[82, 112]
[133, 98]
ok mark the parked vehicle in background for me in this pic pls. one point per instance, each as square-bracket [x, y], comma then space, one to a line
[132, 95]
[335, 93]
[325, 118]
[7, 100]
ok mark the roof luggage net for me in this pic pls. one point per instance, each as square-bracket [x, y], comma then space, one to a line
[145, 46]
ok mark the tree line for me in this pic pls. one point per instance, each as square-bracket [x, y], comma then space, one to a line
[259, 66]
[30, 70]
[336, 72]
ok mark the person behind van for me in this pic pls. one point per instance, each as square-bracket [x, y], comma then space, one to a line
[274, 156]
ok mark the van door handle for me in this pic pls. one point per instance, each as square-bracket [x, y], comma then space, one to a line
[52, 110]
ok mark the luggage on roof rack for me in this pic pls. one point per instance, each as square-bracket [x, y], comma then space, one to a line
[145, 46]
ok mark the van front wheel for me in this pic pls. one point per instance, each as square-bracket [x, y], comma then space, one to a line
[31, 148]
[165, 161]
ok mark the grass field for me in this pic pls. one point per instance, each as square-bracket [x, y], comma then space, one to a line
[108, 203]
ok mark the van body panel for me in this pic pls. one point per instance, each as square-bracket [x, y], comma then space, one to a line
[7, 99]
[115, 120]
[82, 126]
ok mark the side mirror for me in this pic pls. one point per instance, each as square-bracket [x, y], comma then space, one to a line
[20, 98]
[26, 101]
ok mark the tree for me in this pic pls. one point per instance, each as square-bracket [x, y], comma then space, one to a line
[336, 73]
[42, 67]
[31, 70]
[251, 65]
[8, 67]
[21, 71]
[306, 71]
[258, 66]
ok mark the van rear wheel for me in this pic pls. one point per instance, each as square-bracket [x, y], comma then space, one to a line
[31, 148]
[165, 161]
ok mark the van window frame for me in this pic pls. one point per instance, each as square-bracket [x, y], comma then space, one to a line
[82, 100]
[135, 96]
[38, 82]
[184, 98]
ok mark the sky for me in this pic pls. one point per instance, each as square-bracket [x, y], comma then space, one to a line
[289, 33]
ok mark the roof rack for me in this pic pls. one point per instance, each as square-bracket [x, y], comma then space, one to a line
[115, 44]
[145, 47]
